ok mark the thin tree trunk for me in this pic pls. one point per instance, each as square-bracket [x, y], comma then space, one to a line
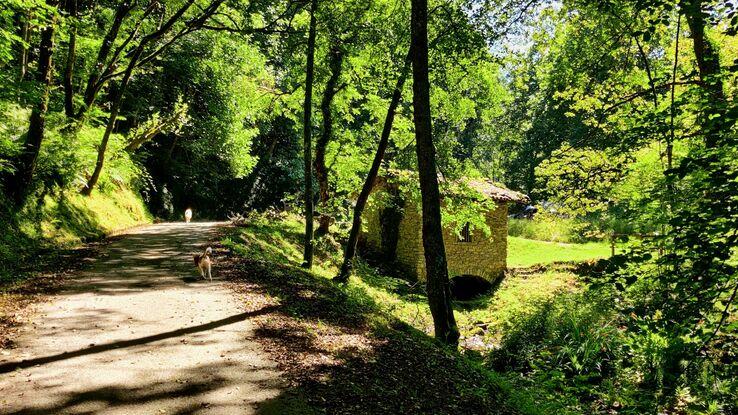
[437, 283]
[371, 177]
[335, 62]
[307, 141]
[137, 53]
[24, 32]
[93, 86]
[264, 160]
[152, 131]
[19, 182]
[69, 68]
[708, 66]
[102, 72]
[672, 112]
[92, 181]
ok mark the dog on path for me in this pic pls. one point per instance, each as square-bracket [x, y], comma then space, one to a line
[188, 215]
[204, 263]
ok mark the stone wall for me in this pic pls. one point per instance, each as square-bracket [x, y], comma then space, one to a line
[484, 256]
[409, 245]
[371, 228]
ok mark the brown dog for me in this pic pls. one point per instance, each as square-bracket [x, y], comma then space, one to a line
[204, 263]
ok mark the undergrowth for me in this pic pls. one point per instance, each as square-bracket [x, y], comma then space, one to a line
[563, 346]
[62, 220]
[386, 304]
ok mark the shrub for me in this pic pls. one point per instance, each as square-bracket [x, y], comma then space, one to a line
[12, 126]
[544, 227]
[572, 343]
[575, 333]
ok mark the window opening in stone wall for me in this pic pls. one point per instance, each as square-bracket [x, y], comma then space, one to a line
[465, 234]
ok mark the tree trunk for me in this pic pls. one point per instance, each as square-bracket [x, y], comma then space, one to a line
[92, 181]
[135, 56]
[69, 68]
[366, 189]
[22, 21]
[151, 131]
[19, 182]
[253, 178]
[439, 294]
[708, 66]
[670, 137]
[93, 86]
[307, 141]
[335, 62]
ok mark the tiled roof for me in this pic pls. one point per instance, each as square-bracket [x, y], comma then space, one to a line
[495, 192]
[482, 185]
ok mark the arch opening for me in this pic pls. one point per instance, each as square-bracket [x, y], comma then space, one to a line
[469, 287]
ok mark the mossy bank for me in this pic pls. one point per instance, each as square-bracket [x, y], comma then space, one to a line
[64, 220]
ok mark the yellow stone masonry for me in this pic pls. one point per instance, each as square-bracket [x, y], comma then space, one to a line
[483, 256]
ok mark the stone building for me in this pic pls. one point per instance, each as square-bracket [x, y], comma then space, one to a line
[395, 231]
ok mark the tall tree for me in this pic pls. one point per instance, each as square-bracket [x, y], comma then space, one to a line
[307, 140]
[136, 60]
[92, 181]
[708, 67]
[366, 189]
[437, 282]
[24, 33]
[102, 67]
[71, 9]
[19, 182]
[350, 249]
[335, 64]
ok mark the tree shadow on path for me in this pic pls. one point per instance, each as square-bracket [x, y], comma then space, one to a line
[11, 366]
[342, 360]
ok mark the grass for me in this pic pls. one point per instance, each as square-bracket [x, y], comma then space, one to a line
[544, 227]
[485, 320]
[279, 241]
[383, 300]
[527, 252]
[550, 239]
[74, 218]
[65, 220]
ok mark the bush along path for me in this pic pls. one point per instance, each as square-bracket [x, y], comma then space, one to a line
[138, 331]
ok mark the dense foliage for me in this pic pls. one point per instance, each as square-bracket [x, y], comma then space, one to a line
[629, 128]
[617, 117]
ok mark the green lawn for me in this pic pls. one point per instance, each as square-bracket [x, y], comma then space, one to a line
[523, 252]
[64, 220]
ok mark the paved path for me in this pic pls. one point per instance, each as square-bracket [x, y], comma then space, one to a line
[138, 332]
